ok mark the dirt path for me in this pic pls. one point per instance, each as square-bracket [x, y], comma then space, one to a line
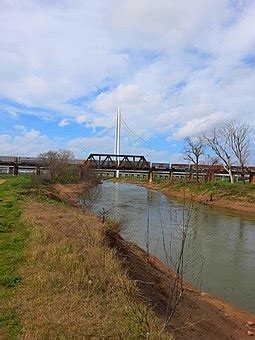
[199, 315]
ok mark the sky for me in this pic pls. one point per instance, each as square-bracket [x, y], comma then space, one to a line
[176, 69]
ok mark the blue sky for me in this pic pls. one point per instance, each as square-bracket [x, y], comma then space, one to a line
[176, 69]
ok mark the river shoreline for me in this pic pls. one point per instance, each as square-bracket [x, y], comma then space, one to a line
[220, 201]
[200, 315]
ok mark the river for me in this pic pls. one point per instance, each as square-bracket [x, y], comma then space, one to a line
[220, 246]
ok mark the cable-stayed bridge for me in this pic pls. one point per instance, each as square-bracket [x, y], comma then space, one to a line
[116, 164]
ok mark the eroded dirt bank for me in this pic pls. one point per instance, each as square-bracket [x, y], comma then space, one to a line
[199, 315]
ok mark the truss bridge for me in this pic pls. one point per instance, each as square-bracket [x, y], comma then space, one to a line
[117, 162]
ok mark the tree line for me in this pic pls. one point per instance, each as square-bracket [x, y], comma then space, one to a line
[228, 146]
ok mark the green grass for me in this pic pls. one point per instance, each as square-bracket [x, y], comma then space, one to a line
[130, 180]
[13, 236]
[233, 191]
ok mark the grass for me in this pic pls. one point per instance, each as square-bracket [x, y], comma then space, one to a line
[235, 191]
[61, 278]
[130, 180]
[74, 285]
[13, 236]
[232, 191]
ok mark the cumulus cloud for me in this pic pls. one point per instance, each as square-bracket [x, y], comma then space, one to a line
[175, 68]
[197, 126]
[26, 143]
[55, 51]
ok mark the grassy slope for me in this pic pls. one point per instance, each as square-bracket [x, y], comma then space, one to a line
[71, 284]
[13, 235]
[235, 192]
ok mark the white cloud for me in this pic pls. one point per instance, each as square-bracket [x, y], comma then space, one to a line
[162, 24]
[81, 119]
[197, 126]
[64, 122]
[20, 128]
[174, 67]
[54, 52]
[26, 143]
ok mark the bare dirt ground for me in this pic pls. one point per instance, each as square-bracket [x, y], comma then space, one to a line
[199, 315]
[68, 192]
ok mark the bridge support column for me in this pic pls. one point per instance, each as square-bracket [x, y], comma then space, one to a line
[80, 172]
[191, 176]
[171, 176]
[117, 174]
[38, 170]
[212, 177]
[15, 169]
[150, 176]
[252, 179]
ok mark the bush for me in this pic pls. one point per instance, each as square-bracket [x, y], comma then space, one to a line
[60, 166]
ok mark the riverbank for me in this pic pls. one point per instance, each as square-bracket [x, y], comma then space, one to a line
[76, 277]
[59, 278]
[198, 316]
[224, 195]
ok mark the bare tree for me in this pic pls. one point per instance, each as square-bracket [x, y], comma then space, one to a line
[60, 165]
[220, 143]
[193, 151]
[240, 143]
[211, 167]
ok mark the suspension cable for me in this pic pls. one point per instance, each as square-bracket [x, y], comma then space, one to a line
[132, 132]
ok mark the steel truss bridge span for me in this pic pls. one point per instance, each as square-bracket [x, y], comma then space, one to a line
[117, 162]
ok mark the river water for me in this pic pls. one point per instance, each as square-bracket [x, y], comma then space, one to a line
[219, 253]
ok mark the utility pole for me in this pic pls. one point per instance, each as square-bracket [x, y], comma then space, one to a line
[117, 141]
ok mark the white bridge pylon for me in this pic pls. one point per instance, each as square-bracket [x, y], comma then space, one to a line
[117, 139]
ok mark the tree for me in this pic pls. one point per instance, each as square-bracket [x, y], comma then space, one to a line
[60, 165]
[193, 151]
[211, 163]
[240, 143]
[219, 142]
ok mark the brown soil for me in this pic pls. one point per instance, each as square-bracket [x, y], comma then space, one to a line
[199, 315]
[221, 202]
[68, 192]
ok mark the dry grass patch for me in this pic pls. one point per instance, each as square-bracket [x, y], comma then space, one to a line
[73, 284]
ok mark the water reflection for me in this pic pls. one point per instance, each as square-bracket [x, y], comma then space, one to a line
[220, 242]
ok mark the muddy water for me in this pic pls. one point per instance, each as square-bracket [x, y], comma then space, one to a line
[219, 254]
